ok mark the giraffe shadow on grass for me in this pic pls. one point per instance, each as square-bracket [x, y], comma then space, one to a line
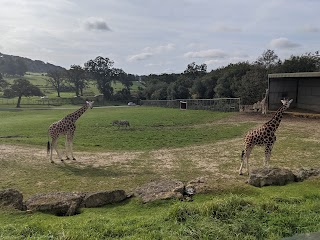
[91, 171]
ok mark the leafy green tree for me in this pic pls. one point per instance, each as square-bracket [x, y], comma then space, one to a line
[194, 71]
[160, 92]
[252, 85]
[103, 72]
[309, 62]
[77, 77]
[229, 77]
[178, 90]
[22, 87]
[125, 79]
[56, 79]
[3, 83]
[269, 59]
[203, 87]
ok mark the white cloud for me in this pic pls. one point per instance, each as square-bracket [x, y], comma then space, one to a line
[148, 52]
[139, 57]
[160, 49]
[93, 23]
[210, 53]
[283, 43]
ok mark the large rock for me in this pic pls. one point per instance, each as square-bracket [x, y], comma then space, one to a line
[198, 185]
[98, 199]
[58, 203]
[303, 174]
[159, 190]
[12, 197]
[270, 176]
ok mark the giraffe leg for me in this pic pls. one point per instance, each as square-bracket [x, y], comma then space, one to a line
[70, 144]
[245, 159]
[67, 147]
[51, 149]
[54, 146]
[242, 162]
[267, 152]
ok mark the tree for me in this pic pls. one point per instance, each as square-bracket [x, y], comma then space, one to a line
[178, 90]
[268, 59]
[229, 77]
[56, 79]
[77, 76]
[193, 70]
[252, 85]
[101, 70]
[22, 87]
[3, 83]
[309, 62]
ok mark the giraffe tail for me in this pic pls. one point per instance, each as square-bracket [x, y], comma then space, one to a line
[242, 154]
[48, 147]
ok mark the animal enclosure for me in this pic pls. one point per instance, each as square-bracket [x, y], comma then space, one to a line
[303, 88]
[215, 104]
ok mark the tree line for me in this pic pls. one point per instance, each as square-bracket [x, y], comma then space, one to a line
[243, 80]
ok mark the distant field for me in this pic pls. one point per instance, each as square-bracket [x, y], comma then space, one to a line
[40, 80]
[160, 144]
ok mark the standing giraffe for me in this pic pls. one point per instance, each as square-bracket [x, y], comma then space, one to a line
[263, 136]
[264, 103]
[65, 126]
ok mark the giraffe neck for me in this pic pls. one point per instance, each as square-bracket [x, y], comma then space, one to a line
[75, 115]
[276, 119]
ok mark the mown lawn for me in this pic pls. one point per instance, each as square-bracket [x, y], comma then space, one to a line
[150, 128]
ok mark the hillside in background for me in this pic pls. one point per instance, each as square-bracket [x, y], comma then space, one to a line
[9, 61]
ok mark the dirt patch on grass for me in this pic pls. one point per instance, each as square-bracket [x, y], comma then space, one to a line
[31, 154]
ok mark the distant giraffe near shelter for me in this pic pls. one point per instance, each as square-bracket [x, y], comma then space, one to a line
[65, 126]
[264, 103]
[263, 136]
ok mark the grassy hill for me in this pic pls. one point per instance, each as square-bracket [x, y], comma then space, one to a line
[40, 80]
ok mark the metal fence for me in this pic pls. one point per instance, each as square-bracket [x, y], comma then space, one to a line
[215, 104]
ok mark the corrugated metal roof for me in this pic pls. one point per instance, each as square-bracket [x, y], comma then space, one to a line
[293, 75]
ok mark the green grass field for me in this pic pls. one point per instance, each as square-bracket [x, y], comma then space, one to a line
[161, 143]
[151, 128]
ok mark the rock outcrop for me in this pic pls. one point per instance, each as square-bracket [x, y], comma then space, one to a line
[12, 197]
[57, 203]
[270, 176]
[159, 190]
[69, 203]
[99, 199]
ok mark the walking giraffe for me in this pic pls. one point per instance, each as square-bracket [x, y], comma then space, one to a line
[65, 126]
[263, 136]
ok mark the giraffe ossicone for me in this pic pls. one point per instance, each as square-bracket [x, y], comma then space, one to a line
[65, 126]
[263, 136]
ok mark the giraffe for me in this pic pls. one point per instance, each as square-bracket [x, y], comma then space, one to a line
[263, 136]
[264, 103]
[65, 126]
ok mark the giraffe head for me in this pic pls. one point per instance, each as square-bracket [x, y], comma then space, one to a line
[286, 103]
[89, 104]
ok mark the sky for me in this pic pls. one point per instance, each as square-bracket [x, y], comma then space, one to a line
[158, 36]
